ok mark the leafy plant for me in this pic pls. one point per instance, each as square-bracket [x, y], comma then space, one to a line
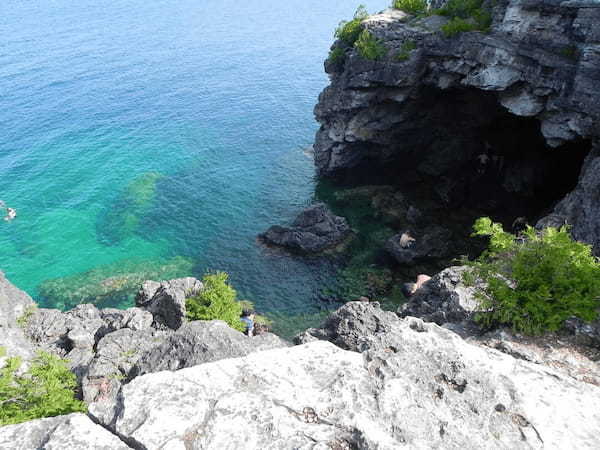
[216, 301]
[411, 6]
[465, 15]
[47, 389]
[537, 281]
[336, 55]
[24, 319]
[369, 47]
[349, 31]
[405, 49]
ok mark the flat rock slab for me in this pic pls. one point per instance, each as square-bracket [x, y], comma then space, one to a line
[71, 432]
[419, 387]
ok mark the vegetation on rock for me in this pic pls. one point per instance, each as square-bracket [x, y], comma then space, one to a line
[46, 389]
[465, 15]
[336, 55]
[349, 31]
[537, 280]
[218, 301]
[369, 47]
[405, 49]
[411, 6]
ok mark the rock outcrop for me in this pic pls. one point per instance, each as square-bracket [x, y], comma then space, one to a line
[506, 121]
[415, 385]
[315, 230]
[71, 432]
[15, 306]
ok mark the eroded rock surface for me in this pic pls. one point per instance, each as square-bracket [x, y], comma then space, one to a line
[415, 385]
[315, 230]
[501, 122]
[71, 432]
[15, 306]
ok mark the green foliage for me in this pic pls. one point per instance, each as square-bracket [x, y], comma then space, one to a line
[336, 56]
[465, 15]
[405, 49]
[569, 52]
[349, 31]
[411, 6]
[45, 390]
[2, 351]
[26, 316]
[369, 47]
[537, 281]
[216, 301]
[500, 240]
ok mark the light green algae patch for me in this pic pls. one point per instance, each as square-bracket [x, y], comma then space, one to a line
[110, 282]
[122, 220]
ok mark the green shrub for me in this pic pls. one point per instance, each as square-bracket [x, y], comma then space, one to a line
[337, 56]
[369, 47]
[537, 281]
[405, 49]
[47, 389]
[24, 319]
[411, 6]
[349, 31]
[464, 15]
[216, 301]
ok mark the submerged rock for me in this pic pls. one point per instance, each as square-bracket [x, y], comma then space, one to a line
[315, 230]
[110, 282]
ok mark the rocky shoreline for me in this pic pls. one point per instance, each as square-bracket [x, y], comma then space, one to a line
[367, 379]
[506, 114]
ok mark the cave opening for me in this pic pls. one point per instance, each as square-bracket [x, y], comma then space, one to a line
[462, 150]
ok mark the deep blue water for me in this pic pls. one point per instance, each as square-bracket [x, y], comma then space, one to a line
[159, 137]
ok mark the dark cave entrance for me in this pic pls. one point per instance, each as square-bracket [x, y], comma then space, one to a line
[447, 159]
[464, 151]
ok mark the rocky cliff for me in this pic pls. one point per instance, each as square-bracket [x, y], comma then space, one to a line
[366, 380]
[506, 121]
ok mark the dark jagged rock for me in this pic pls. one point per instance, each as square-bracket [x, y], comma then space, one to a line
[166, 300]
[432, 243]
[445, 298]
[499, 121]
[200, 342]
[315, 230]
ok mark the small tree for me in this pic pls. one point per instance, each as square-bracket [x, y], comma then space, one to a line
[47, 389]
[217, 300]
[537, 281]
[348, 31]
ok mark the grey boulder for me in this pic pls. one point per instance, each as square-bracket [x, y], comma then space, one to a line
[315, 230]
[166, 300]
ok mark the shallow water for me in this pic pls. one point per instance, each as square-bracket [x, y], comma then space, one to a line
[145, 138]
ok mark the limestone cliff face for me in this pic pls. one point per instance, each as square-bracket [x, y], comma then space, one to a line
[488, 119]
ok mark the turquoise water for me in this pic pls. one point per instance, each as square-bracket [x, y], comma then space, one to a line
[147, 139]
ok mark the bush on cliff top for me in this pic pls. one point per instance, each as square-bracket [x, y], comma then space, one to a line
[537, 280]
[216, 301]
[369, 47]
[349, 31]
[410, 6]
[46, 389]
